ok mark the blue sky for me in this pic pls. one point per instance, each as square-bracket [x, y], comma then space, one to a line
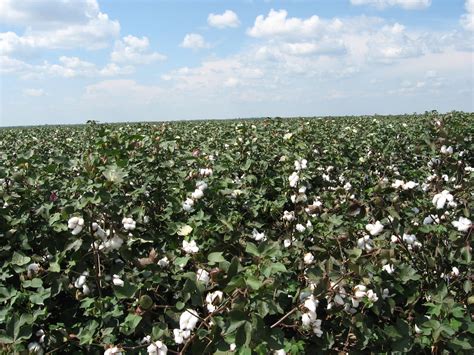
[68, 61]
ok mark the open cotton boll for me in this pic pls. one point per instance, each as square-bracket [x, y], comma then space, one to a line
[201, 185]
[374, 229]
[213, 299]
[202, 276]
[258, 236]
[300, 228]
[129, 223]
[188, 205]
[308, 318]
[439, 200]
[365, 243]
[389, 268]
[113, 351]
[76, 224]
[188, 320]
[81, 280]
[190, 247]
[462, 224]
[446, 150]
[197, 194]
[301, 164]
[409, 185]
[157, 348]
[32, 269]
[181, 335]
[35, 348]
[117, 281]
[308, 258]
[163, 262]
[288, 216]
[293, 179]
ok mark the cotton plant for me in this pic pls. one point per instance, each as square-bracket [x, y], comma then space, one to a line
[440, 199]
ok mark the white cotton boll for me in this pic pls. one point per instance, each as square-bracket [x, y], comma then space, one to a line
[76, 224]
[32, 269]
[212, 299]
[317, 328]
[417, 330]
[429, 220]
[311, 304]
[202, 276]
[86, 290]
[372, 296]
[113, 351]
[279, 352]
[188, 320]
[446, 150]
[201, 185]
[188, 205]
[308, 258]
[365, 243]
[116, 242]
[81, 280]
[288, 216]
[117, 281]
[397, 184]
[454, 271]
[197, 194]
[287, 243]
[308, 318]
[232, 347]
[409, 238]
[293, 179]
[129, 224]
[462, 224]
[300, 228]
[180, 335]
[258, 236]
[374, 229]
[347, 186]
[360, 291]
[35, 348]
[163, 262]
[409, 185]
[157, 348]
[190, 247]
[389, 268]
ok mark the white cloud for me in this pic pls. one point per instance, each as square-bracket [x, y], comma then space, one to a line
[66, 67]
[134, 50]
[194, 41]
[276, 23]
[123, 89]
[405, 4]
[34, 92]
[227, 19]
[467, 19]
[55, 25]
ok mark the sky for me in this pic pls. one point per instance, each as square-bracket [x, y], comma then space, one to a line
[69, 61]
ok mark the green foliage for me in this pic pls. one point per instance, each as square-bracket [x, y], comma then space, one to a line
[89, 292]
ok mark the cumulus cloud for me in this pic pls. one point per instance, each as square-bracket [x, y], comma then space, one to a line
[55, 25]
[277, 23]
[467, 19]
[405, 4]
[194, 41]
[134, 50]
[227, 19]
[34, 92]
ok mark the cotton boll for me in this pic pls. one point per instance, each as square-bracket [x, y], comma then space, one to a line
[129, 224]
[389, 268]
[462, 224]
[117, 281]
[287, 243]
[258, 236]
[293, 179]
[374, 229]
[35, 348]
[288, 216]
[188, 320]
[300, 228]
[190, 247]
[202, 276]
[32, 269]
[308, 258]
[197, 194]
[81, 280]
[163, 262]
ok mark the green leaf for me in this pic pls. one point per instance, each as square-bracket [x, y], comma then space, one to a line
[253, 282]
[20, 259]
[215, 257]
[127, 291]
